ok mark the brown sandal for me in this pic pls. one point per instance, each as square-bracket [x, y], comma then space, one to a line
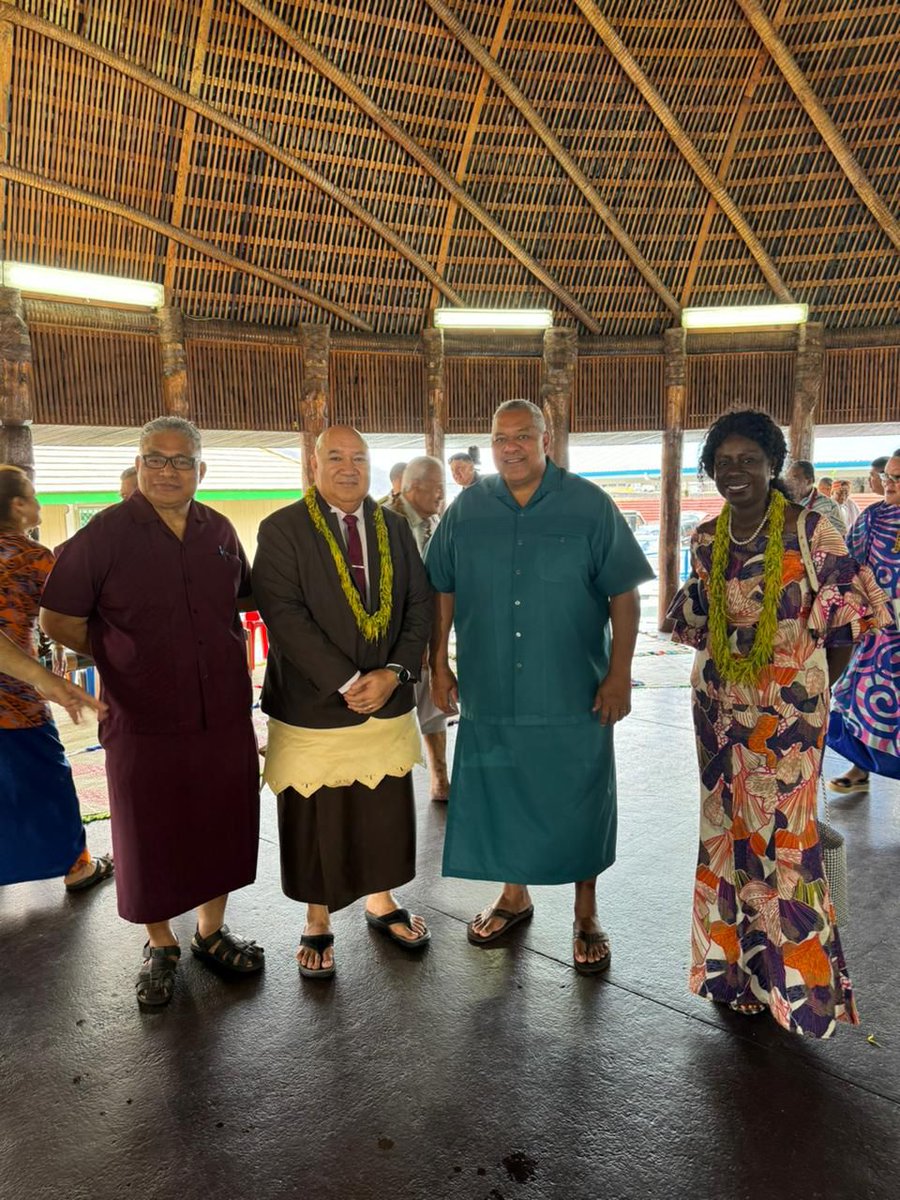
[156, 979]
[224, 949]
[599, 938]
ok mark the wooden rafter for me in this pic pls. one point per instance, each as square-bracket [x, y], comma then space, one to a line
[398, 134]
[182, 174]
[817, 113]
[517, 98]
[465, 153]
[6, 53]
[200, 245]
[734, 134]
[686, 147]
[245, 132]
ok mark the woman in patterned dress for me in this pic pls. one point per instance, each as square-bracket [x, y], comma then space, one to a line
[865, 712]
[768, 642]
[41, 833]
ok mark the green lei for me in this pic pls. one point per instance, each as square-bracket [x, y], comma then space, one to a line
[733, 667]
[373, 626]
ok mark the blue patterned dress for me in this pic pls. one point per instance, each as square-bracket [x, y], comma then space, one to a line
[865, 708]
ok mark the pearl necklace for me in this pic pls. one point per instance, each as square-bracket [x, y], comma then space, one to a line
[756, 531]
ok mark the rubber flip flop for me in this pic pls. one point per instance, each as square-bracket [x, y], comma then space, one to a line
[592, 939]
[320, 943]
[103, 869]
[400, 916]
[844, 785]
[510, 919]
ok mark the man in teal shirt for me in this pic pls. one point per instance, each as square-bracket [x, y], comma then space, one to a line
[535, 567]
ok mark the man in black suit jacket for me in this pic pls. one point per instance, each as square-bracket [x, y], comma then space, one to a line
[347, 604]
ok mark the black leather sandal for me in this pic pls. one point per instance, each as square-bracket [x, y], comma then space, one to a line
[225, 950]
[156, 979]
[598, 938]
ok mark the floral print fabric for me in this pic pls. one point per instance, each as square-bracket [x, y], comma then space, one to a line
[865, 725]
[764, 931]
[24, 567]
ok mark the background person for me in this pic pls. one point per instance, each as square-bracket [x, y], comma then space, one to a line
[865, 710]
[840, 493]
[128, 482]
[41, 831]
[824, 486]
[395, 475]
[420, 501]
[801, 484]
[150, 590]
[875, 484]
[768, 641]
[464, 466]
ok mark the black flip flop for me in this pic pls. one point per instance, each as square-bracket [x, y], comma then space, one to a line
[103, 869]
[511, 919]
[320, 943]
[400, 916]
[591, 939]
[845, 786]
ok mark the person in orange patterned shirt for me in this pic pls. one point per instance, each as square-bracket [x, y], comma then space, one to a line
[41, 832]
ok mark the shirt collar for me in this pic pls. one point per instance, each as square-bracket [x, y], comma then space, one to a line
[551, 481]
[359, 513]
[141, 510]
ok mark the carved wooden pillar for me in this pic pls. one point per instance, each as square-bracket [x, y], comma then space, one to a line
[314, 416]
[809, 371]
[174, 362]
[557, 382]
[435, 404]
[16, 447]
[670, 483]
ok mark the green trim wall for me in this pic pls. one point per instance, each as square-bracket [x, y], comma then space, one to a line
[51, 499]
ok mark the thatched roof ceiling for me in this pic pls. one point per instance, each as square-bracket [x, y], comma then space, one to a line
[360, 162]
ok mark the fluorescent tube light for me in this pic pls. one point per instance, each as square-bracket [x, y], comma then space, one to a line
[493, 318]
[747, 317]
[81, 285]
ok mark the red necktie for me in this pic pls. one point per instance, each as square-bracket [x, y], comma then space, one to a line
[355, 551]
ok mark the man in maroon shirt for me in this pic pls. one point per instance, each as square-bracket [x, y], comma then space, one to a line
[150, 590]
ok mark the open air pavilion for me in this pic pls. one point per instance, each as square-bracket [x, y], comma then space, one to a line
[306, 184]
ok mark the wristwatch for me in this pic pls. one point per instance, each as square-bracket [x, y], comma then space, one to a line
[403, 676]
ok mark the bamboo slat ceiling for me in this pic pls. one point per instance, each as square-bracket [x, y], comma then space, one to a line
[360, 161]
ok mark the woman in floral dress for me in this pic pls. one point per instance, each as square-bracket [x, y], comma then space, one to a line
[768, 642]
[865, 707]
[41, 833]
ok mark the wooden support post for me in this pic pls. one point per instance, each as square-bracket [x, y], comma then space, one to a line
[435, 405]
[176, 398]
[670, 482]
[809, 371]
[314, 416]
[557, 382]
[16, 447]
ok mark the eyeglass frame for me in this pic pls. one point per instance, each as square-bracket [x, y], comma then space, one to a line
[886, 476]
[169, 458]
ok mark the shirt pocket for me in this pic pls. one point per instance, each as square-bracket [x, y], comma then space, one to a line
[563, 558]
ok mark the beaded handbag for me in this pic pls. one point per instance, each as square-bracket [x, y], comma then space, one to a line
[834, 848]
[834, 861]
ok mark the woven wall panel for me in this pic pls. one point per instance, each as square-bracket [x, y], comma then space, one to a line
[474, 387]
[377, 393]
[614, 393]
[718, 382]
[241, 385]
[95, 377]
[861, 385]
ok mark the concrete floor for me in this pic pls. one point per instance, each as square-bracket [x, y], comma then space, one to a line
[465, 1074]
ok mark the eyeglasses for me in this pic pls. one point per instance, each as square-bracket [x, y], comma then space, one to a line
[886, 477]
[156, 462]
